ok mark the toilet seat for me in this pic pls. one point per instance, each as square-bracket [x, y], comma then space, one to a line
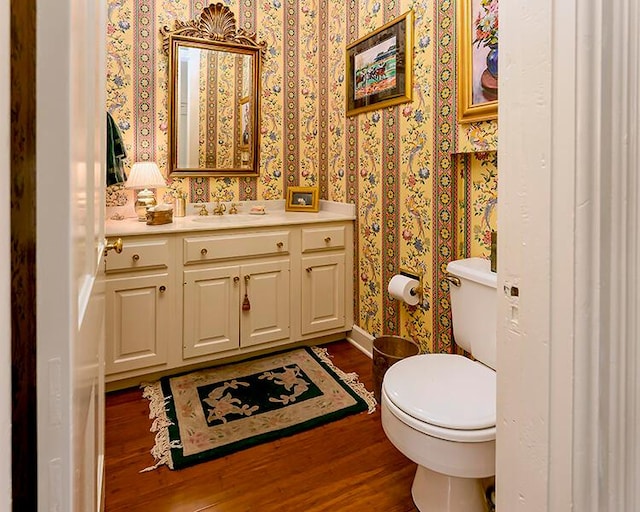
[446, 434]
[444, 395]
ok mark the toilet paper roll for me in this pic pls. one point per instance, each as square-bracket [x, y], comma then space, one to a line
[403, 288]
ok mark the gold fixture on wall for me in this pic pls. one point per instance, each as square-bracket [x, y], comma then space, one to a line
[419, 276]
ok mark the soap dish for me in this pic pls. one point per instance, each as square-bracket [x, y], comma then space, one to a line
[257, 210]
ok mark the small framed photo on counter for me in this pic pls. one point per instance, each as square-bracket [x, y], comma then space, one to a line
[302, 199]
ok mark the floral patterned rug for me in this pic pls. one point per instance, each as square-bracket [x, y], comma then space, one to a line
[209, 413]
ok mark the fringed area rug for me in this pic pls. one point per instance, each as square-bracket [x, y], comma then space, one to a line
[209, 413]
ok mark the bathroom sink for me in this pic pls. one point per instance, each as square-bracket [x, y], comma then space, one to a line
[239, 218]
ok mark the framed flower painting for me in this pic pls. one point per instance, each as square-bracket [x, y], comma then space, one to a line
[477, 29]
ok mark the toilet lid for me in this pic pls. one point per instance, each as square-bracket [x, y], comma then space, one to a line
[445, 390]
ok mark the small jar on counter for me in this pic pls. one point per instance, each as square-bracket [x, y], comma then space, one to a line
[180, 207]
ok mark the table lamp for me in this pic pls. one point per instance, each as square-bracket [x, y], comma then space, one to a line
[143, 176]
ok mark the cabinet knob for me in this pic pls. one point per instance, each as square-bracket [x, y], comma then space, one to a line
[116, 246]
[280, 245]
[163, 289]
[246, 278]
[204, 252]
[327, 239]
[308, 269]
[135, 257]
[236, 279]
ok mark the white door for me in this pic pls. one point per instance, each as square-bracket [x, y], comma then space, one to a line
[70, 136]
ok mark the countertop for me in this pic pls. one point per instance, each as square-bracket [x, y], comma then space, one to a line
[275, 216]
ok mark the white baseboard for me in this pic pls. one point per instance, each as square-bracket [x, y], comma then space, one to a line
[362, 340]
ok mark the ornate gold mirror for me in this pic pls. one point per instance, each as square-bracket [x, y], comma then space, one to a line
[214, 96]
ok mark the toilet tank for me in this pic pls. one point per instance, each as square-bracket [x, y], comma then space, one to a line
[474, 308]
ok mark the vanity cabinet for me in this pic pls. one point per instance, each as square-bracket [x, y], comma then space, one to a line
[229, 306]
[188, 297]
[214, 317]
[140, 303]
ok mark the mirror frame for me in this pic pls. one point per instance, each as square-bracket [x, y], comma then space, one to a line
[214, 29]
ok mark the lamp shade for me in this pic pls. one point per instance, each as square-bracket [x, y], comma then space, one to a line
[145, 175]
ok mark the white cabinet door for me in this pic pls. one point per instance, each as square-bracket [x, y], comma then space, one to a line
[211, 310]
[139, 313]
[266, 288]
[323, 293]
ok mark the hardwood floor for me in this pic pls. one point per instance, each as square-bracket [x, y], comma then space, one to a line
[345, 466]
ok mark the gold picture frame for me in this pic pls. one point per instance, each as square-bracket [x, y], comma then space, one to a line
[200, 44]
[302, 199]
[477, 60]
[379, 67]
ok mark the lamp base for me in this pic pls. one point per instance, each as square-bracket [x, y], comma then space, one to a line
[144, 200]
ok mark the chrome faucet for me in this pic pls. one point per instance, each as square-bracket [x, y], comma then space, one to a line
[219, 208]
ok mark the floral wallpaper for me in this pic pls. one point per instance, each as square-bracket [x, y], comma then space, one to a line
[477, 181]
[221, 72]
[415, 192]
[478, 137]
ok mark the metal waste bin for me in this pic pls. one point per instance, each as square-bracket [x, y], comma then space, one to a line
[388, 350]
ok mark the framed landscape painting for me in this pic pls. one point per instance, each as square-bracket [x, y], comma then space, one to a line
[477, 60]
[379, 67]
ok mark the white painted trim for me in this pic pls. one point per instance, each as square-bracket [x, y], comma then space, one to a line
[568, 364]
[5, 260]
[361, 339]
[606, 402]
[633, 266]
[562, 246]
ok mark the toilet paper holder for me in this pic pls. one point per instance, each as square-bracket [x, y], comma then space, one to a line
[414, 275]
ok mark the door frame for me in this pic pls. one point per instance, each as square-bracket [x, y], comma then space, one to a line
[24, 465]
[568, 365]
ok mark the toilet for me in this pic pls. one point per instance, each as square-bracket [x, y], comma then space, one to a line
[439, 410]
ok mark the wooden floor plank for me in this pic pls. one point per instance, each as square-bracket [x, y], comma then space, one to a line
[346, 466]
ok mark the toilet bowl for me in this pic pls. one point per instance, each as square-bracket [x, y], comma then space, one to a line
[439, 410]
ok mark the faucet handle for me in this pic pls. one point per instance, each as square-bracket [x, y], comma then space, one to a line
[203, 209]
[234, 208]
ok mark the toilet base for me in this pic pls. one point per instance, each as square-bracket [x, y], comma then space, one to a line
[435, 492]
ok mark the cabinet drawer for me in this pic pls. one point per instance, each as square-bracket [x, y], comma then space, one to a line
[318, 239]
[219, 247]
[139, 254]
